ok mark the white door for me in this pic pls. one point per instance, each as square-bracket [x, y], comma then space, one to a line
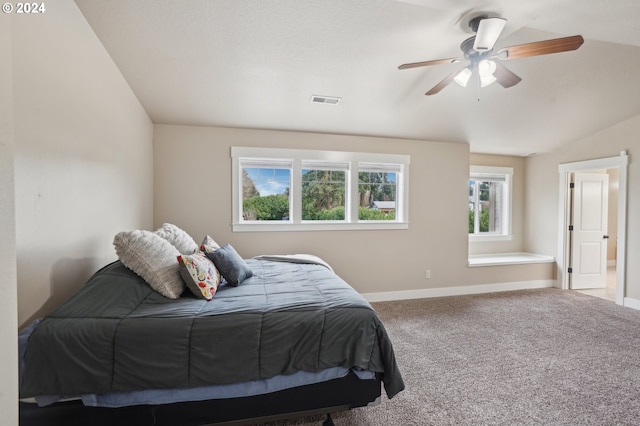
[589, 236]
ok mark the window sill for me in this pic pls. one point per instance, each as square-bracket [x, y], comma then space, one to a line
[498, 259]
[326, 226]
[487, 238]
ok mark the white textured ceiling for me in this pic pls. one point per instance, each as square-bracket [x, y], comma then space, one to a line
[256, 63]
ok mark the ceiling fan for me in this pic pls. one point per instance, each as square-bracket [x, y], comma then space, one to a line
[478, 50]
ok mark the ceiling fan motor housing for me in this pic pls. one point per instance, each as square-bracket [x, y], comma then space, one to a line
[475, 22]
[468, 50]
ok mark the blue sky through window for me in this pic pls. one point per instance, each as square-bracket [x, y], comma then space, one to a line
[269, 181]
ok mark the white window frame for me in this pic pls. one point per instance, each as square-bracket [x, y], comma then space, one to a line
[506, 173]
[397, 163]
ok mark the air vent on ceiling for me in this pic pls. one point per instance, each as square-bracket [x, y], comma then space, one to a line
[331, 100]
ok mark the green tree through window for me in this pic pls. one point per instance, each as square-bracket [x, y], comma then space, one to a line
[323, 194]
[265, 193]
[377, 195]
[489, 206]
[289, 189]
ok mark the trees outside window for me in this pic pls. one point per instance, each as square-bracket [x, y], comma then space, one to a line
[310, 187]
[377, 195]
[265, 193]
[323, 194]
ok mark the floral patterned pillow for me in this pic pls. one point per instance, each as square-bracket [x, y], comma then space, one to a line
[200, 274]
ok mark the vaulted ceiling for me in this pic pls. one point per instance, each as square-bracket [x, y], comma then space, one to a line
[257, 63]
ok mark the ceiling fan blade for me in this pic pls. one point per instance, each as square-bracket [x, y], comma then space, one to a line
[428, 63]
[505, 77]
[555, 45]
[444, 83]
[489, 29]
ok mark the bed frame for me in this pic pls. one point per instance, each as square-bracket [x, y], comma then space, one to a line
[321, 398]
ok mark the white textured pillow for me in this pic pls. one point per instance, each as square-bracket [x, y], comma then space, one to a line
[178, 238]
[153, 258]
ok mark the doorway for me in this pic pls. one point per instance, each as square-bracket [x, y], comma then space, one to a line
[593, 241]
[567, 170]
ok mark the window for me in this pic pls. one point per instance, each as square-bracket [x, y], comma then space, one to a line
[283, 189]
[377, 186]
[490, 203]
[265, 190]
[324, 187]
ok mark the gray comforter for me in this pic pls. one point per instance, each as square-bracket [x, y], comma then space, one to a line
[117, 334]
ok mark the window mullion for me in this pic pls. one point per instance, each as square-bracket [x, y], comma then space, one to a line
[236, 189]
[354, 202]
[476, 207]
[295, 194]
[401, 192]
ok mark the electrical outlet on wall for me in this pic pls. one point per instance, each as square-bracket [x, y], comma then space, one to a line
[427, 274]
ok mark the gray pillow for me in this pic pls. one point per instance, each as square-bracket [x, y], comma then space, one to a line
[232, 267]
[153, 258]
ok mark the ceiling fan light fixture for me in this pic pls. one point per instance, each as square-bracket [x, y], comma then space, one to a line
[463, 77]
[486, 69]
[486, 80]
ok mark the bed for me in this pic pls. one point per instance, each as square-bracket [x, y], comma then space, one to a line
[292, 339]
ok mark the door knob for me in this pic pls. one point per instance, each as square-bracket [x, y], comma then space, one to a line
[605, 237]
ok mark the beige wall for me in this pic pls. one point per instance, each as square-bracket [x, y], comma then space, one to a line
[8, 301]
[83, 156]
[192, 169]
[541, 192]
[517, 204]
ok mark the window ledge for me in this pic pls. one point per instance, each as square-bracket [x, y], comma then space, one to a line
[474, 238]
[326, 226]
[497, 259]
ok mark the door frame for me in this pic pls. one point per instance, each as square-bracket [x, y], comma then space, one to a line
[565, 169]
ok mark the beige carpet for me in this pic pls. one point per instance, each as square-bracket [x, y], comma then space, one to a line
[535, 357]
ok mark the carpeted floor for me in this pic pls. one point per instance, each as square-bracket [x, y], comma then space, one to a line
[534, 357]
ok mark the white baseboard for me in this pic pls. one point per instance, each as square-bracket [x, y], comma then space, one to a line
[611, 262]
[631, 303]
[458, 291]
